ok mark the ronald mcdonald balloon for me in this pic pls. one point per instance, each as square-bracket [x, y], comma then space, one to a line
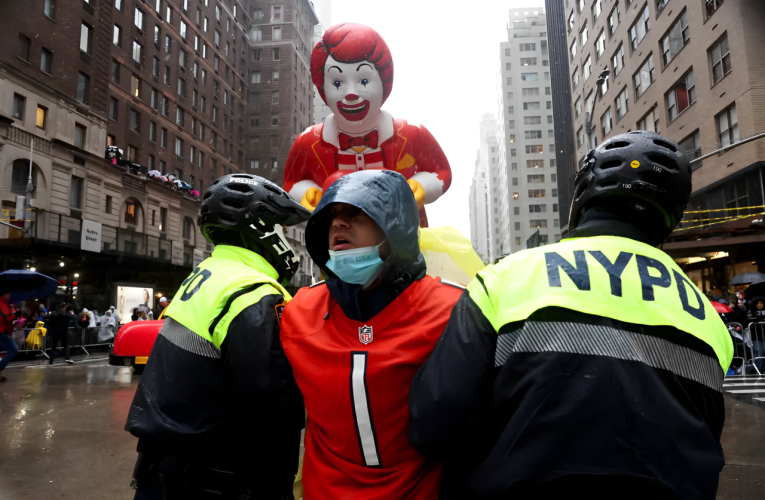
[352, 69]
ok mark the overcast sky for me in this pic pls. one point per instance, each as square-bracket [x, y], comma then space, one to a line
[446, 57]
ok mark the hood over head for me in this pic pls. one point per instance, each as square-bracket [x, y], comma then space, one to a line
[386, 197]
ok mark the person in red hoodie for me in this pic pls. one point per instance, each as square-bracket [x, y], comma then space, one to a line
[6, 330]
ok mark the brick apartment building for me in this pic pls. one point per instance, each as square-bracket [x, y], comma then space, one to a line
[691, 70]
[166, 81]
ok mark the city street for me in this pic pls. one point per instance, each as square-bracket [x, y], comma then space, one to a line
[62, 433]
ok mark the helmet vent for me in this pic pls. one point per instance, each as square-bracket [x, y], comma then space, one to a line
[664, 161]
[207, 195]
[241, 188]
[611, 164]
[617, 145]
[666, 145]
[242, 176]
[232, 203]
[608, 183]
[273, 189]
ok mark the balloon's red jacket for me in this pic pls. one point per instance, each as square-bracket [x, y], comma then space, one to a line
[406, 148]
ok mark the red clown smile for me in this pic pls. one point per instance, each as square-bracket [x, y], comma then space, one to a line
[353, 112]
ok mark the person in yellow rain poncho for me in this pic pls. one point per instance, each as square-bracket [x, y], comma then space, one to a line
[36, 336]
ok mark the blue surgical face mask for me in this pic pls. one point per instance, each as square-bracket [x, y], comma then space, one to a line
[358, 266]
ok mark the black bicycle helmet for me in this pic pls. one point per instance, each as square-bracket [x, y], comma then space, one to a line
[249, 211]
[640, 165]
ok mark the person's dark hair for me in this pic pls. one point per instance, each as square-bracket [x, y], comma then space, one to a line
[69, 308]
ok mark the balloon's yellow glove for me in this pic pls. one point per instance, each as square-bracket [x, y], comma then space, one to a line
[418, 191]
[311, 198]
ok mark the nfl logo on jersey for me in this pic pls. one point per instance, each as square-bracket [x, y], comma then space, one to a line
[365, 334]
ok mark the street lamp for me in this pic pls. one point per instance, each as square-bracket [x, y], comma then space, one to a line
[588, 117]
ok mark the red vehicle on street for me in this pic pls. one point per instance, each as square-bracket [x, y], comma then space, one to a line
[133, 343]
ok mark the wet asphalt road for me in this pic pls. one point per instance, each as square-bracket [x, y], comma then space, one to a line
[61, 433]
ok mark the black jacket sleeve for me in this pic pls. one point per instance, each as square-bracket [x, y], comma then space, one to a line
[255, 361]
[453, 387]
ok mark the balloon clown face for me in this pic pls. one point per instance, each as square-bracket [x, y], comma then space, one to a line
[354, 93]
[352, 68]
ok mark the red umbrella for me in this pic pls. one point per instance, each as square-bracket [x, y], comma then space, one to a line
[721, 308]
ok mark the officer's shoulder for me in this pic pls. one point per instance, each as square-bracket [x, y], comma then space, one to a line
[318, 283]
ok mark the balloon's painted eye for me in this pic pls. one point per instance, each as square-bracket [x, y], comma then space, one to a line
[336, 83]
[364, 82]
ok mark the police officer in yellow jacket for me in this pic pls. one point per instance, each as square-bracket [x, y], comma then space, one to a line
[218, 413]
[591, 368]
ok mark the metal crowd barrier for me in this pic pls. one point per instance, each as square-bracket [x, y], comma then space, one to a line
[757, 339]
[78, 338]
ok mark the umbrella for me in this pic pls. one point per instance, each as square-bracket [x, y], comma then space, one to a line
[721, 308]
[748, 278]
[27, 285]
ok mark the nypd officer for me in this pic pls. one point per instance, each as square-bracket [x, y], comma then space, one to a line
[218, 413]
[589, 367]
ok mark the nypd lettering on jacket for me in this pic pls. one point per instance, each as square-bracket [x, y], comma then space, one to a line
[651, 273]
[606, 276]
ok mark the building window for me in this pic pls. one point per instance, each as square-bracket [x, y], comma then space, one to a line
[621, 104]
[163, 137]
[530, 77]
[46, 60]
[719, 59]
[153, 131]
[179, 147]
[578, 107]
[528, 61]
[255, 77]
[274, 120]
[130, 211]
[575, 78]
[712, 6]
[18, 106]
[135, 120]
[184, 31]
[532, 120]
[113, 109]
[168, 44]
[86, 38]
[677, 38]
[681, 96]
[606, 122]
[50, 8]
[180, 116]
[535, 179]
[613, 19]
[535, 163]
[135, 86]
[115, 71]
[640, 28]
[137, 49]
[532, 134]
[572, 50]
[644, 77]
[618, 60]
[597, 9]
[182, 58]
[583, 35]
[75, 192]
[83, 85]
[587, 68]
[650, 122]
[727, 125]
[534, 149]
[600, 44]
[79, 136]
[155, 67]
[531, 105]
[538, 223]
[692, 147]
[181, 87]
[277, 33]
[536, 193]
[138, 18]
[275, 75]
